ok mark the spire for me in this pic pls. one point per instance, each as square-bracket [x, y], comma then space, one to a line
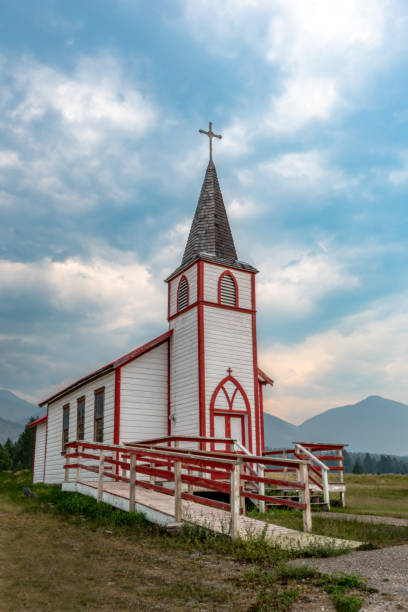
[210, 233]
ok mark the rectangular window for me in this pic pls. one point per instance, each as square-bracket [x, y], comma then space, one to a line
[99, 410]
[80, 418]
[65, 426]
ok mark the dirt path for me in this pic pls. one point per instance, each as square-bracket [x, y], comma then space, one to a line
[385, 569]
[364, 518]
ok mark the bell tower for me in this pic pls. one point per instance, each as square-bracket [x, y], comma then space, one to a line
[214, 387]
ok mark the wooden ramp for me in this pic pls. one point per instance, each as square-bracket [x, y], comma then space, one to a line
[159, 508]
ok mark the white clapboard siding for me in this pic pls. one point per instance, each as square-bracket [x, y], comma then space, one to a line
[212, 274]
[38, 470]
[184, 374]
[191, 276]
[143, 396]
[228, 344]
[54, 472]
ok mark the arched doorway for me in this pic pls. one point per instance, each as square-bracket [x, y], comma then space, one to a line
[230, 412]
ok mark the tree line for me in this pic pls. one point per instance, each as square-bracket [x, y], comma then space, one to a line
[18, 455]
[367, 463]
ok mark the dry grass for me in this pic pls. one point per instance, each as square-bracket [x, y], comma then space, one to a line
[385, 495]
[47, 563]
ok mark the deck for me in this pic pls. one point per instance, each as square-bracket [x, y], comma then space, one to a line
[159, 508]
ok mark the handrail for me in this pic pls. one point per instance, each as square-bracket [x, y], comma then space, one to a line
[219, 471]
[325, 470]
[313, 457]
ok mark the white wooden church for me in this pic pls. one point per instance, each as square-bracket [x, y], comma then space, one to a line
[199, 378]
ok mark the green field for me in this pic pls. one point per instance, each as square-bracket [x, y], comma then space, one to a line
[385, 495]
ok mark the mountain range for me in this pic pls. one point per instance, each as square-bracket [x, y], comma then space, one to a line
[374, 425]
[14, 414]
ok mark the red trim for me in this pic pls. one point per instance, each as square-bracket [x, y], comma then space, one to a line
[214, 411]
[173, 276]
[236, 288]
[213, 263]
[168, 391]
[262, 417]
[255, 361]
[107, 369]
[46, 442]
[34, 445]
[264, 378]
[116, 425]
[213, 304]
[38, 421]
[178, 291]
[201, 356]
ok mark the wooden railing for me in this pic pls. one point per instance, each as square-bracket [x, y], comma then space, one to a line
[185, 472]
[324, 459]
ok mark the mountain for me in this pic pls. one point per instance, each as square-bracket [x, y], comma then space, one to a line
[374, 425]
[278, 433]
[9, 430]
[16, 410]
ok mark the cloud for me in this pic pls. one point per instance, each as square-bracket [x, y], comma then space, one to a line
[294, 280]
[70, 132]
[364, 354]
[242, 209]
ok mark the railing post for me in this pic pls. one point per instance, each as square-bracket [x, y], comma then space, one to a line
[100, 474]
[78, 472]
[132, 483]
[177, 491]
[341, 479]
[305, 497]
[66, 466]
[326, 493]
[261, 487]
[152, 478]
[235, 499]
[285, 469]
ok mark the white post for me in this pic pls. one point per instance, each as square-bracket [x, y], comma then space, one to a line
[132, 483]
[341, 480]
[66, 466]
[326, 494]
[152, 478]
[261, 487]
[100, 474]
[234, 500]
[177, 491]
[78, 472]
[305, 497]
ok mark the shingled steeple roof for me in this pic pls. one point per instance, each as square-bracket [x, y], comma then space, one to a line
[210, 235]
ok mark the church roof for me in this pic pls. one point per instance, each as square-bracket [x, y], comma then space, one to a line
[210, 235]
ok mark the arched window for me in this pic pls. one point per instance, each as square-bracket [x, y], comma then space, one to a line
[182, 294]
[227, 290]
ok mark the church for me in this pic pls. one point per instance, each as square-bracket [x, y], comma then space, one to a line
[198, 378]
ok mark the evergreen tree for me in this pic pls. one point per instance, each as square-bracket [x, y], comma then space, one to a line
[357, 469]
[347, 462]
[6, 462]
[24, 448]
[368, 464]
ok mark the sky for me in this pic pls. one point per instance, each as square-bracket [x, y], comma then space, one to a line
[101, 165]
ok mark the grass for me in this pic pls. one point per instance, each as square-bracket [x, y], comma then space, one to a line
[66, 551]
[375, 535]
[384, 495]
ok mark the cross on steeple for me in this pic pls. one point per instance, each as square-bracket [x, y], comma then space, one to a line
[229, 371]
[210, 135]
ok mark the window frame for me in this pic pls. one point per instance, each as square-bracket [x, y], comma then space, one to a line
[65, 427]
[97, 419]
[80, 422]
[179, 309]
[220, 279]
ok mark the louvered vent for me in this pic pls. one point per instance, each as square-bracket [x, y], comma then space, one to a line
[182, 301]
[228, 291]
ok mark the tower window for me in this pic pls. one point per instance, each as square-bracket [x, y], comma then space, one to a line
[182, 294]
[227, 290]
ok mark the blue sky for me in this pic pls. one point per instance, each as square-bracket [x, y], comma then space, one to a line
[101, 164]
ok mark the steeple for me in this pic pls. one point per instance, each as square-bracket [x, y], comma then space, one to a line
[210, 233]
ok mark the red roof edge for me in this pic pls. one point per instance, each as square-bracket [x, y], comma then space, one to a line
[38, 421]
[110, 367]
[264, 378]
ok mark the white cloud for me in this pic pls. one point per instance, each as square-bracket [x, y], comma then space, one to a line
[364, 354]
[294, 280]
[71, 132]
[241, 209]
[119, 293]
